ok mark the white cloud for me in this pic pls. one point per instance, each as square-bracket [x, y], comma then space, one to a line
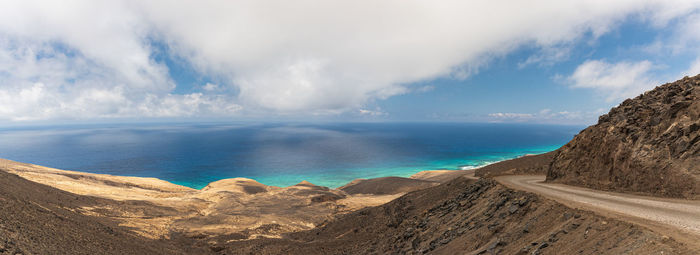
[39, 82]
[511, 116]
[376, 112]
[615, 80]
[686, 34]
[548, 56]
[683, 40]
[95, 59]
[694, 68]
[549, 116]
[210, 87]
[425, 89]
[307, 55]
[690, 41]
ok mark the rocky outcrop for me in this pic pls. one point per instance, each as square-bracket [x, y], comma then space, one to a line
[649, 144]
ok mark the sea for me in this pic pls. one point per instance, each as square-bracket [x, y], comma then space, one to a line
[278, 154]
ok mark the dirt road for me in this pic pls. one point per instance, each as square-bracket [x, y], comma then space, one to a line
[677, 218]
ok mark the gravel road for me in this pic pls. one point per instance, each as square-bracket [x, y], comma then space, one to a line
[653, 212]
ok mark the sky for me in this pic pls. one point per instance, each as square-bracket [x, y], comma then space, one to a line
[563, 62]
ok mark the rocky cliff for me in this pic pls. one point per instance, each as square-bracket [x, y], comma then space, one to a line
[649, 144]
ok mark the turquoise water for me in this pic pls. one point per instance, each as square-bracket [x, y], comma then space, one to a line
[279, 154]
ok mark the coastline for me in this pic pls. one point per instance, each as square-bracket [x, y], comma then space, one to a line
[327, 155]
[240, 214]
[154, 208]
[39, 173]
[333, 182]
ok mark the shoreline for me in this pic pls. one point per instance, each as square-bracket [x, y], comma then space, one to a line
[428, 175]
[138, 151]
[175, 186]
[154, 208]
[337, 184]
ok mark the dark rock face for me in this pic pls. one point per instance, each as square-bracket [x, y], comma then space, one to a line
[649, 144]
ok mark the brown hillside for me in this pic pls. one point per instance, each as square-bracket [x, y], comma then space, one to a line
[649, 144]
[385, 186]
[465, 216]
[530, 164]
[37, 219]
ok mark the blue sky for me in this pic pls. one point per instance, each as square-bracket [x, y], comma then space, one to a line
[506, 86]
[546, 62]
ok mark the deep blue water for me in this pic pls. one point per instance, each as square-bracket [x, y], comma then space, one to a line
[276, 154]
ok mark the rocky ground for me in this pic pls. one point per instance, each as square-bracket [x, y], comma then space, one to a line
[441, 214]
[465, 216]
[649, 144]
[37, 219]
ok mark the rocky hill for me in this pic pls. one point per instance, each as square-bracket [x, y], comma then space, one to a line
[464, 216]
[649, 144]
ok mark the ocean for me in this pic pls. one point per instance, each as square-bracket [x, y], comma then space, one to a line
[278, 154]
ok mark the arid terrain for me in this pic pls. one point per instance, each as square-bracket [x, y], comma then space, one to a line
[38, 219]
[466, 216]
[627, 185]
[447, 212]
[238, 206]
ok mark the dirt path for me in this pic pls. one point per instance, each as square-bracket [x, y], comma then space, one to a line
[676, 218]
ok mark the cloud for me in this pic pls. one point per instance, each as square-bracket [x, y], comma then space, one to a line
[548, 56]
[376, 112]
[425, 89]
[683, 40]
[686, 34]
[511, 116]
[96, 59]
[39, 82]
[689, 41]
[210, 87]
[308, 55]
[694, 68]
[615, 80]
[548, 116]
[84, 62]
